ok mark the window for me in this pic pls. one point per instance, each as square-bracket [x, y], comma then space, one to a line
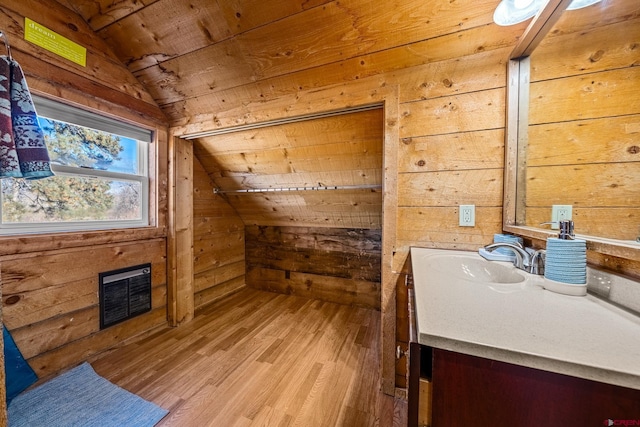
[101, 176]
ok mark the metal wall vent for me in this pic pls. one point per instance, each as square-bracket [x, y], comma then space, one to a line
[124, 294]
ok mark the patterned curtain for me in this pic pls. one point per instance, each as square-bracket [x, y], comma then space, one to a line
[23, 153]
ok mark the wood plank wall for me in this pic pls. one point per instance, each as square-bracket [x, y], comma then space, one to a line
[335, 265]
[451, 150]
[50, 282]
[584, 133]
[50, 301]
[219, 242]
[452, 115]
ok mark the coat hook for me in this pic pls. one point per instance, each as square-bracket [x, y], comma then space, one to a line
[6, 44]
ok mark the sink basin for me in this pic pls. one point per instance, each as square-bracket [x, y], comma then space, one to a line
[475, 269]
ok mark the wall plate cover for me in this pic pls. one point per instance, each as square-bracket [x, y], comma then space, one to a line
[559, 213]
[467, 215]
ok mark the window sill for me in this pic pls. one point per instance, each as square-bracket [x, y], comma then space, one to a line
[27, 243]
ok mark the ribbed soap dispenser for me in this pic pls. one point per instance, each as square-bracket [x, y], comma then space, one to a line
[566, 259]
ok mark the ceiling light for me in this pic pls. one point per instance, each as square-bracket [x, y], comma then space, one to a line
[579, 4]
[511, 12]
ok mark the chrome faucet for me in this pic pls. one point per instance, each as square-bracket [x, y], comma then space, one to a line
[523, 258]
[537, 262]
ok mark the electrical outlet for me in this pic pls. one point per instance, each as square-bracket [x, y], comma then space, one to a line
[467, 215]
[559, 213]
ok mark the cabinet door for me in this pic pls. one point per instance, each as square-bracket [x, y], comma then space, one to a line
[413, 392]
[472, 391]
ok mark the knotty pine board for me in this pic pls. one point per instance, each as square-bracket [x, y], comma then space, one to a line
[218, 251]
[207, 225]
[217, 276]
[334, 156]
[180, 253]
[103, 12]
[65, 328]
[220, 290]
[600, 140]
[591, 185]
[361, 126]
[609, 93]
[445, 76]
[10, 247]
[481, 187]
[187, 26]
[452, 152]
[461, 112]
[245, 15]
[218, 239]
[306, 133]
[28, 272]
[331, 144]
[567, 54]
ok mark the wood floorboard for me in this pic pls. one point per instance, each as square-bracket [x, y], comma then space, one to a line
[262, 359]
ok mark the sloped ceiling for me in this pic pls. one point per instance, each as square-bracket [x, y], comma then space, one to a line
[198, 56]
[343, 151]
[208, 57]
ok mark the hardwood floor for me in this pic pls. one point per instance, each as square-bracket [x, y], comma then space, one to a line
[262, 359]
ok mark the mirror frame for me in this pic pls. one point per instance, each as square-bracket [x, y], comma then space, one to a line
[518, 78]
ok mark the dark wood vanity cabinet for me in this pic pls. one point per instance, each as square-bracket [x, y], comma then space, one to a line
[468, 390]
[473, 391]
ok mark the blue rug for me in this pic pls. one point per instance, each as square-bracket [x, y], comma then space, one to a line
[82, 398]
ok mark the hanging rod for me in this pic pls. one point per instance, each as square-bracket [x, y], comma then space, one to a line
[319, 188]
[285, 120]
[6, 44]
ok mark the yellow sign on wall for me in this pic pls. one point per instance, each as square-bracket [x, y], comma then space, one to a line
[54, 42]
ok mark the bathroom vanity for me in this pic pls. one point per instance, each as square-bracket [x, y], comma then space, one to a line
[502, 350]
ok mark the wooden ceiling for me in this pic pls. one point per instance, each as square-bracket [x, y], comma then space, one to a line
[208, 58]
[204, 56]
[343, 151]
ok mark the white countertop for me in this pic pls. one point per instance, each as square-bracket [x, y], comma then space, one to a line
[526, 325]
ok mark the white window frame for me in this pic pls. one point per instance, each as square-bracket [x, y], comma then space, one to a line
[65, 113]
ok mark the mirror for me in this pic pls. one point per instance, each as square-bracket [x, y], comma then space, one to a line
[573, 133]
